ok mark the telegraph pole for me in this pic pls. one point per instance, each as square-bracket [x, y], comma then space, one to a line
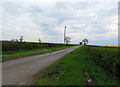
[64, 35]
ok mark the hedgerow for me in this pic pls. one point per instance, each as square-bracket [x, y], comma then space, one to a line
[106, 57]
[12, 46]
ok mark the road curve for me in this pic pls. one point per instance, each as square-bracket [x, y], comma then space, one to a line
[18, 70]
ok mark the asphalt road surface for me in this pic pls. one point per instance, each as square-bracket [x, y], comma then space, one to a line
[18, 70]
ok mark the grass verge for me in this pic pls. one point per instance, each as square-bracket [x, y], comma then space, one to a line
[7, 55]
[76, 68]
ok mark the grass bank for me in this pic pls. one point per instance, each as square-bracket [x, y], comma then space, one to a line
[76, 68]
[7, 55]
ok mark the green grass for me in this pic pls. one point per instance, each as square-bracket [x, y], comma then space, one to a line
[6, 55]
[70, 70]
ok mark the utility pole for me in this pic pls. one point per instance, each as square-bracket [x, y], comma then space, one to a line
[64, 35]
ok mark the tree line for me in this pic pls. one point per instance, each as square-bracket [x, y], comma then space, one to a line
[21, 39]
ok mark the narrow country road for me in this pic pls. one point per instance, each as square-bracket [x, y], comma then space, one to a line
[18, 70]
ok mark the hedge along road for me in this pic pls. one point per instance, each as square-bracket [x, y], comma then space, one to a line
[19, 70]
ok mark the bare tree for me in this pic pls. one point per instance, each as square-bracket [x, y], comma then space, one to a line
[85, 41]
[21, 38]
[12, 39]
[39, 40]
[67, 40]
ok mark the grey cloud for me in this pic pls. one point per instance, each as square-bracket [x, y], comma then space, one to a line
[50, 18]
[13, 8]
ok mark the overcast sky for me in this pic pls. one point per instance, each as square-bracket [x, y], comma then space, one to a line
[96, 21]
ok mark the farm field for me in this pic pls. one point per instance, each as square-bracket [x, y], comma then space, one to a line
[11, 50]
[84, 66]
